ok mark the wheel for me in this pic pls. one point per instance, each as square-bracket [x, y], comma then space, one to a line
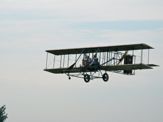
[69, 78]
[86, 78]
[105, 77]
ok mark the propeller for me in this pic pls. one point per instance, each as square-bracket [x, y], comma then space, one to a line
[121, 59]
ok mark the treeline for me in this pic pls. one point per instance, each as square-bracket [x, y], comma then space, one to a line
[3, 115]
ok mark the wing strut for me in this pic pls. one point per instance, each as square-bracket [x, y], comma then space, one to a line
[72, 66]
[120, 60]
[107, 61]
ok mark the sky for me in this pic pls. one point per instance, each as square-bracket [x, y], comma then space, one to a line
[28, 28]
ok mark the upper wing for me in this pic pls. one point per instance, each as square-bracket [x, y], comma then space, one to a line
[100, 49]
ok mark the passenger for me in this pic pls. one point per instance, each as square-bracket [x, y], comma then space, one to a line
[86, 60]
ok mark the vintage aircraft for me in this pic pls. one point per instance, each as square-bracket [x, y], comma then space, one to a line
[94, 62]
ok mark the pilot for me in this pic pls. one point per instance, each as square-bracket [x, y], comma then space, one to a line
[94, 60]
[84, 61]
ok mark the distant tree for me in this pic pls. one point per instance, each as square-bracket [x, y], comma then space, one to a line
[3, 115]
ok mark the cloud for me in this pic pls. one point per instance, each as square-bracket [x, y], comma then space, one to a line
[23, 43]
[91, 10]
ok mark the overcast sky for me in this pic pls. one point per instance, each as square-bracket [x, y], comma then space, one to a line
[28, 28]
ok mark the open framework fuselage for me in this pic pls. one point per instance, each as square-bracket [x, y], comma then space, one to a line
[124, 59]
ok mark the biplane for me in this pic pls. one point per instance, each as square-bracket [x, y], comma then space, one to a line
[94, 62]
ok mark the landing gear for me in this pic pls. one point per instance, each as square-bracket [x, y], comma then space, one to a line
[86, 78]
[105, 77]
[91, 76]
